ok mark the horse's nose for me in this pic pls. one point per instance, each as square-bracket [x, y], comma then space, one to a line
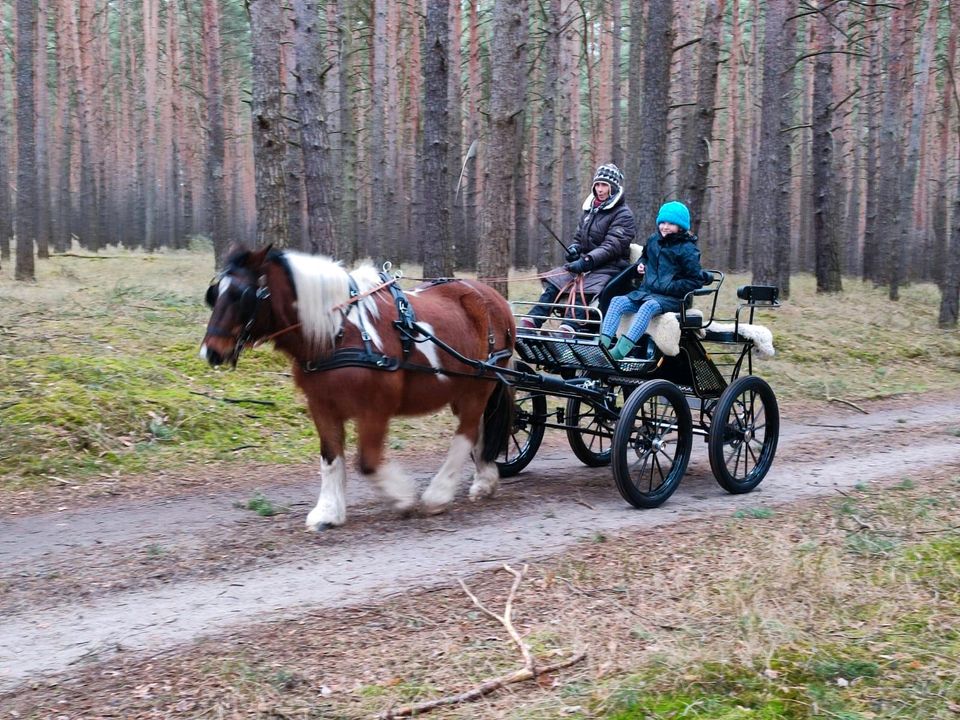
[211, 355]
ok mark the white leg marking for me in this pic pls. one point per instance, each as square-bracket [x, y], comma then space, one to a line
[443, 486]
[396, 485]
[331, 508]
[486, 481]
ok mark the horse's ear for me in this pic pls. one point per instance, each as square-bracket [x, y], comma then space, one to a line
[258, 256]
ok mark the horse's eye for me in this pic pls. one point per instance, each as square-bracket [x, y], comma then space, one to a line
[212, 293]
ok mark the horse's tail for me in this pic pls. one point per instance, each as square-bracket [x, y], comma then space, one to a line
[497, 421]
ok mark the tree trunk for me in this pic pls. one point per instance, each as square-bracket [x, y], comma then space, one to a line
[765, 185]
[313, 134]
[546, 141]
[6, 181]
[435, 246]
[348, 247]
[631, 166]
[509, 64]
[269, 141]
[870, 266]
[826, 239]
[26, 227]
[652, 149]
[42, 120]
[698, 144]
[216, 198]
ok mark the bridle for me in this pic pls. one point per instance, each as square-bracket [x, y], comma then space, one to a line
[250, 302]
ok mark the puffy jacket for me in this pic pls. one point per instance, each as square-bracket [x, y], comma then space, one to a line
[672, 269]
[605, 234]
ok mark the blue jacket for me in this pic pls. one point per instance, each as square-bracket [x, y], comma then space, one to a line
[672, 269]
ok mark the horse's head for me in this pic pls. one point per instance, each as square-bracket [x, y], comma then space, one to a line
[238, 297]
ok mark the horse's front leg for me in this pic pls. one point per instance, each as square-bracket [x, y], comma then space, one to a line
[331, 507]
[390, 478]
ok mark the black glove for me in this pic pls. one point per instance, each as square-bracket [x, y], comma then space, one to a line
[573, 253]
[579, 266]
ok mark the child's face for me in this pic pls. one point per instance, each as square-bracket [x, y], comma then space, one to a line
[666, 228]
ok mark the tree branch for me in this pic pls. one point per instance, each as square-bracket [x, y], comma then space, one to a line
[529, 670]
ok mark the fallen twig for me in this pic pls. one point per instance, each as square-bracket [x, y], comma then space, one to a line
[847, 402]
[529, 670]
[233, 400]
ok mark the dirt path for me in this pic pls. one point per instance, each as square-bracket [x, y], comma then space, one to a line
[80, 585]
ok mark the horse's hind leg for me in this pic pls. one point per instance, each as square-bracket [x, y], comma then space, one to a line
[486, 481]
[443, 486]
[390, 478]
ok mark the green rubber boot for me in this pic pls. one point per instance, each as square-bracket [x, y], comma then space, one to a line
[606, 341]
[623, 348]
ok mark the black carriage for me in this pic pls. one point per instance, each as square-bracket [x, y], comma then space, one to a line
[640, 414]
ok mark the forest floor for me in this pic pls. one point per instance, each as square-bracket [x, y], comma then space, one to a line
[185, 603]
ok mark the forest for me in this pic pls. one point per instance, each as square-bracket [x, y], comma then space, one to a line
[817, 136]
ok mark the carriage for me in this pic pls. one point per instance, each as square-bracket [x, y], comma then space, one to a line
[640, 414]
[363, 350]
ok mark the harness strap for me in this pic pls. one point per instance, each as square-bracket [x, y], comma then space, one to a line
[406, 318]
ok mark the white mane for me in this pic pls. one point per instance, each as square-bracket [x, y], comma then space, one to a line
[323, 289]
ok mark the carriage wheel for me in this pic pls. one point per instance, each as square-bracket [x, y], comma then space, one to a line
[529, 416]
[743, 434]
[652, 443]
[589, 432]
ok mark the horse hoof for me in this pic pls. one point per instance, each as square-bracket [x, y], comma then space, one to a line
[324, 526]
[434, 509]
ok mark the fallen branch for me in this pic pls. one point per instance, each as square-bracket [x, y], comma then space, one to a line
[529, 670]
[233, 400]
[847, 402]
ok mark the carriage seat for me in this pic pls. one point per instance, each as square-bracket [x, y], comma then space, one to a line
[690, 318]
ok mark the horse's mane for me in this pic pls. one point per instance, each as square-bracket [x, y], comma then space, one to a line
[322, 286]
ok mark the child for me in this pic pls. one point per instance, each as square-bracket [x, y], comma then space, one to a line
[670, 265]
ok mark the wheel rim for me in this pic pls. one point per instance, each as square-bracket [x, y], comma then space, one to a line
[590, 432]
[652, 451]
[526, 434]
[745, 434]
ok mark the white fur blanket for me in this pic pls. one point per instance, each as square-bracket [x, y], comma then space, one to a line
[665, 332]
[761, 336]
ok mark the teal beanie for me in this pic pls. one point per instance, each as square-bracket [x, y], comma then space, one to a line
[676, 213]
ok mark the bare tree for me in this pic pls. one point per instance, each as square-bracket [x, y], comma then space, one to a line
[655, 106]
[6, 209]
[313, 135]
[269, 137]
[546, 139]
[26, 144]
[435, 241]
[509, 64]
[826, 238]
[698, 143]
[216, 197]
[767, 180]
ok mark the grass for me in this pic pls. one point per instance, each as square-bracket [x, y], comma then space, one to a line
[100, 375]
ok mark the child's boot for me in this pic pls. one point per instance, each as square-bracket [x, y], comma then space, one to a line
[623, 348]
[606, 341]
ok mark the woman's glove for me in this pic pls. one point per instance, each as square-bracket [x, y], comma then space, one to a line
[580, 266]
[573, 253]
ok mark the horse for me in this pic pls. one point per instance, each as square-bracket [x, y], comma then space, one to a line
[362, 349]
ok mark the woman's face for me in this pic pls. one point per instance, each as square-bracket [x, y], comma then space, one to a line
[668, 229]
[601, 190]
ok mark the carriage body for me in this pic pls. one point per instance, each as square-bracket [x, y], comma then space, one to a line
[640, 414]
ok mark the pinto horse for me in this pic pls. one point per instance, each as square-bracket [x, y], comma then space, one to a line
[364, 350]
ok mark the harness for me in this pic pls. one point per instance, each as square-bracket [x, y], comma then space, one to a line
[410, 332]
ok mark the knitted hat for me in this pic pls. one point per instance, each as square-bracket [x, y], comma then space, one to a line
[676, 213]
[611, 175]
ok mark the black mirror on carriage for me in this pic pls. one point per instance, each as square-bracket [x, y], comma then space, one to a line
[759, 293]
